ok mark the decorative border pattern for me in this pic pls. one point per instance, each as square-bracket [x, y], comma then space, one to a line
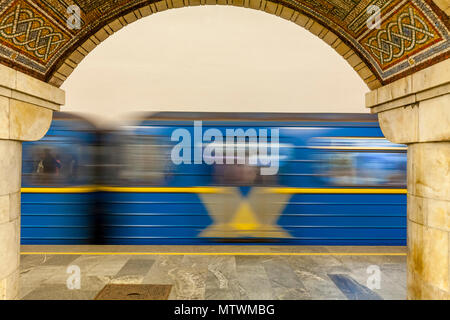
[25, 30]
[406, 33]
[35, 37]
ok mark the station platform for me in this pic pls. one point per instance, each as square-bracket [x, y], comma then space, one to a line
[237, 272]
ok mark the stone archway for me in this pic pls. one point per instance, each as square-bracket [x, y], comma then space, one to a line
[404, 62]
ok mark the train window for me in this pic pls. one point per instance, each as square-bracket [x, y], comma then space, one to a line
[108, 164]
[242, 174]
[144, 159]
[360, 162]
[52, 165]
[241, 171]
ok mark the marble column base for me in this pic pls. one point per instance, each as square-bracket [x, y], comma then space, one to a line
[10, 176]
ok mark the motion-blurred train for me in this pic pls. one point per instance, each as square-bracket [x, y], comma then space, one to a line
[216, 178]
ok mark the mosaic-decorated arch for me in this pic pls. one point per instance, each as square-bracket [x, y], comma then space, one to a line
[35, 37]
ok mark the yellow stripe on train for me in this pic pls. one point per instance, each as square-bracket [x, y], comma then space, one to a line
[163, 189]
[78, 189]
[87, 189]
[336, 191]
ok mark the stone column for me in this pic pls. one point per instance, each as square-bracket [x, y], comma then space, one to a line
[416, 111]
[26, 108]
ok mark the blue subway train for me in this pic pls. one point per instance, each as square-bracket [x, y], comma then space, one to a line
[221, 178]
[59, 200]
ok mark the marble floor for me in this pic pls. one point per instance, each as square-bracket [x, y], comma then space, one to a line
[217, 272]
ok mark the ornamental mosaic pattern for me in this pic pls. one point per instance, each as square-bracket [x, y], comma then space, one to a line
[35, 37]
[29, 35]
[27, 31]
[407, 32]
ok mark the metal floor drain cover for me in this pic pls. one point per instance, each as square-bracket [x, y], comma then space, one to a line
[134, 292]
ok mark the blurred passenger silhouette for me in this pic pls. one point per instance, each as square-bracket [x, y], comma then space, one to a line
[50, 164]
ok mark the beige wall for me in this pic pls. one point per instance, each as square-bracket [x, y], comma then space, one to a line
[189, 59]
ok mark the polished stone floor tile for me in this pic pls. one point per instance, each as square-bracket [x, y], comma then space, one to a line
[136, 267]
[61, 260]
[159, 272]
[312, 274]
[253, 283]
[59, 292]
[352, 289]
[32, 261]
